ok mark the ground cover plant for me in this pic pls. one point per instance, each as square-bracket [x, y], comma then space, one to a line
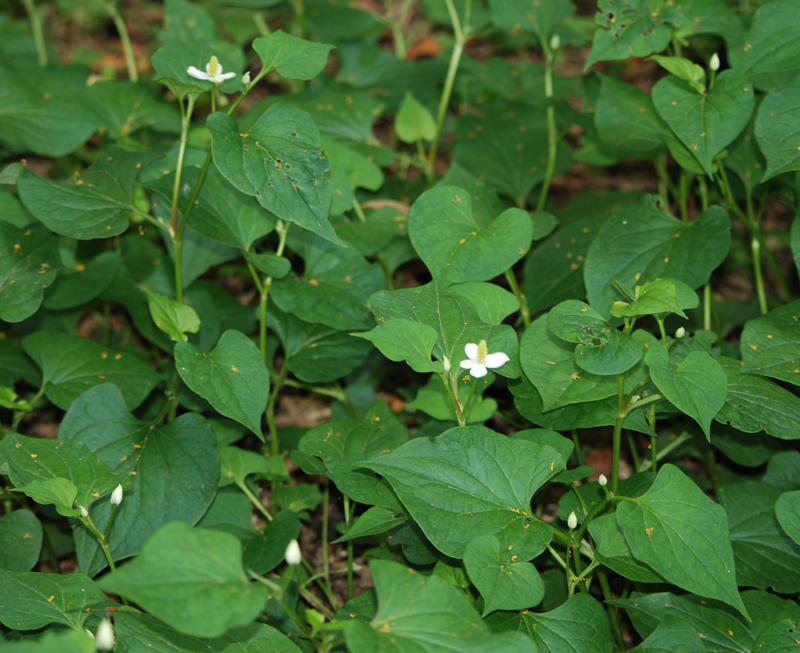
[425, 326]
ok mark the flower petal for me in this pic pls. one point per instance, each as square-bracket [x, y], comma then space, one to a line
[478, 371]
[198, 74]
[226, 75]
[468, 364]
[471, 350]
[497, 359]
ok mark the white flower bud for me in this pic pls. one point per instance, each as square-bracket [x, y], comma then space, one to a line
[116, 496]
[293, 555]
[572, 521]
[84, 512]
[713, 63]
[446, 363]
[104, 639]
[602, 480]
[555, 42]
[680, 332]
[246, 78]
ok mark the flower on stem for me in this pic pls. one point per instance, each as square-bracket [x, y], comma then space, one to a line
[572, 521]
[213, 72]
[104, 639]
[84, 512]
[602, 480]
[713, 64]
[479, 361]
[680, 333]
[116, 496]
[293, 555]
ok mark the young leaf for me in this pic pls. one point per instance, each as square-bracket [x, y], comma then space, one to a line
[434, 399]
[292, 57]
[414, 121]
[470, 481]
[455, 246]
[171, 317]
[232, 377]
[684, 69]
[706, 122]
[374, 521]
[71, 365]
[659, 296]
[29, 262]
[769, 344]
[193, 579]
[404, 340]
[503, 583]
[683, 536]
[697, 386]
[280, 161]
[493, 303]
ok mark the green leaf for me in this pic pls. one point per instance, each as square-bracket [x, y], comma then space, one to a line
[766, 557]
[232, 377]
[374, 521]
[55, 641]
[601, 348]
[270, 264]
[404, 340]
[493, 303]
[684, 251]
[292, 57]
[683, 536]
[172, 60]
[780, 637]
[697, 386]
[771, 55]
[84, 283]
[684, 69]
[777, 130]
[280, 161]
[174, 469]
[613, 551]
[343, 447]
[503, 583]
[43, 111]
[135, 630]
[414, 121]
[769, 344]
[434, 399]
[425, 614]
[187, 21]
[8, 399]
[20, 540]
[457, 247]
[539, 18]
[455, 320]
[745, 158]
[31, 600]
[706, 122]
[58, 472]
[673, 635]
[659, 296]
[471, 481]
[71, 365]
[193, 579]
[29, 262]
[127, 107]
[317, 353]
[755, 403]
[237, 464]
[94, 204]
[171, 317]
[787, 510]
[549, 363]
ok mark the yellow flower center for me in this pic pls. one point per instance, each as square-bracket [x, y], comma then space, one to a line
[213, 66]
[483, 351]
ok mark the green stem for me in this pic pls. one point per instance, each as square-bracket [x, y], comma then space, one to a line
[254, 500]
[651, 420]
[51, 552]
[326, 562]
[707, 306]
[711, 461]
[397, 24]
[299, 17]
[523, 302]
[755, 247]
[578, 451]
[125, 38]
[612, 611]
[38, 32]
[101, 540]
[620, 418]
[684, 196]
[261, 24]
[348, 516]
[637, 464]
[273, 396]
[552, 136]
[648, 464]
[380, 256]
[186, 117]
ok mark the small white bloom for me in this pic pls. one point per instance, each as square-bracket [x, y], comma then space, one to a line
[104, 639]
[602, 480]
[213, 72]
[84, 512]
[680, 332]
[713, 64]
[116, 496]
[246, 78]
[479, 361]
[572, 521]
[293, 555]
[555, 42]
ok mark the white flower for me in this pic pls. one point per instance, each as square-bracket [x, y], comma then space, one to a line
[602, 480]
[104, 639]
[293, 555]
[572, 521]
[713, 64]
[213, 72]
[479, 360]
[116, 496]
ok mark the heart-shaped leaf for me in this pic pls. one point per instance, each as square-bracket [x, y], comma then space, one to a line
[777, 129]
[20, 540]
[292, 57]
[769, 344]
[404, 340]
[171, 317]
[787, 510]
[457, 247]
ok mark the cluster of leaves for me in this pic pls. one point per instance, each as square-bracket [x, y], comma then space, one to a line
[159, 191]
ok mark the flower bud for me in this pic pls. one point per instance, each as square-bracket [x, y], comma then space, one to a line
[555, 42]
[116, 496]
[104, 639]
[246, 78]
[680, 332]
[84, 512]
[572, 521]
[602, 480]
[293, 555]
[713, 63]
[446, 363]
